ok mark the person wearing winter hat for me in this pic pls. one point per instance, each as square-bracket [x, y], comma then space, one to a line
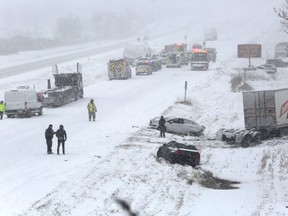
[62, 137]
[49, 133]
[92, 110]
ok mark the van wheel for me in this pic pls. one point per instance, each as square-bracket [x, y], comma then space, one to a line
[40, 111]
[81, 94]
[28, 114]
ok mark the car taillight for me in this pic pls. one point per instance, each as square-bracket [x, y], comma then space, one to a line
[179, 152]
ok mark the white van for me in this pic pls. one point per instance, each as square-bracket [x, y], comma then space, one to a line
[136, 49]
[22, 102]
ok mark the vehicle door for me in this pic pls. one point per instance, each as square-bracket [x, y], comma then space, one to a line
[175, 125]
[190, 125]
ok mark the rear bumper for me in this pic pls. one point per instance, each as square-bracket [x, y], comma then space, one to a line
[23, 111]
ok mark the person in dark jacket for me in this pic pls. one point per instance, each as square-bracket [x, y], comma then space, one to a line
[49, 133]
[62, 137]
[162, 126]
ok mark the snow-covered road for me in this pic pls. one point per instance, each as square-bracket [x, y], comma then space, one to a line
[114, 157]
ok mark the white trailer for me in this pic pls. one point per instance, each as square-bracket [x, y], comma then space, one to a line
[266, 111]
[281, 50]
[265, 116]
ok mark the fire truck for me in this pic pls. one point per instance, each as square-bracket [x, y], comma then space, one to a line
[119, 69]
[199, 59]
[179, 49]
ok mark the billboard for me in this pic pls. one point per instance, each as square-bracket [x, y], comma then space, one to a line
[249, 50]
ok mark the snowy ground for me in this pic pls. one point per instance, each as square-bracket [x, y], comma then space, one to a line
[114, 157]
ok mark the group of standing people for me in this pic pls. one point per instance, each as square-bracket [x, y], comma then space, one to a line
[60, 134]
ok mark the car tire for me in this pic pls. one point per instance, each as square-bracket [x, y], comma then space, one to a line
[159, 153]
[192, 133]
[173, 159]
[246, 141]
[264, 133]
[193, 165]
[257, 138]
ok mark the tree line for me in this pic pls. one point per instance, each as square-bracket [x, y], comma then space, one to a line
[72, 29]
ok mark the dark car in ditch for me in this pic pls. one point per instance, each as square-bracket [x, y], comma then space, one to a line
[180, 153]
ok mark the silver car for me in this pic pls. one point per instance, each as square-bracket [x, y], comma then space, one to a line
[181, 126]
[268, 68]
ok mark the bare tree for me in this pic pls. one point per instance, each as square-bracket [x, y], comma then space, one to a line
[69, 29]
[283, 14]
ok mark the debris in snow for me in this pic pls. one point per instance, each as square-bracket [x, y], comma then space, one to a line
[125, 206]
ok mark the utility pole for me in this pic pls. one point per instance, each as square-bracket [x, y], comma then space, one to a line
[186, 84]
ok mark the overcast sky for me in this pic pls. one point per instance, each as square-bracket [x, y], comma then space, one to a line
[29, 14]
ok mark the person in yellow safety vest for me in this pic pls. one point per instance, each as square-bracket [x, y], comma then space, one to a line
[2, 109]
[92, 110]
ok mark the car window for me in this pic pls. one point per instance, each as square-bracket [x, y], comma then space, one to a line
[177, 120]
[172, 144]
[187, 121]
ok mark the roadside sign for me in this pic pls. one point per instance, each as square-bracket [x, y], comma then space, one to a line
[249, 50]
[186, 84]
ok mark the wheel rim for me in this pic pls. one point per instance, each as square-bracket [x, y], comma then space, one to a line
[246, 141]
